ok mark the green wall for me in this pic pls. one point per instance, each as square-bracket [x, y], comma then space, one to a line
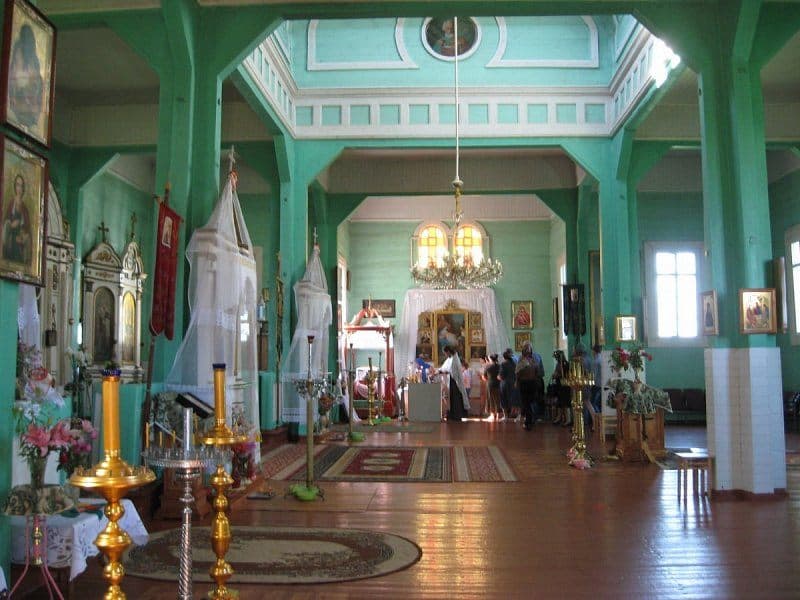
[784, 197]
[673, 217]
[379, 263]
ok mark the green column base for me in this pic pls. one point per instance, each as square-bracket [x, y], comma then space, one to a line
[356, 436]
[307, 494]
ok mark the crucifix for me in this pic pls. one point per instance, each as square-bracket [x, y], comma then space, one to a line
[103, 230]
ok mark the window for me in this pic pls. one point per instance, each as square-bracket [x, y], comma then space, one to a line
[431, 246]
[673, 274]
[469, 245]
[793, 280]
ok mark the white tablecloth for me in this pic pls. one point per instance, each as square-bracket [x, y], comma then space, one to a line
[70, 540]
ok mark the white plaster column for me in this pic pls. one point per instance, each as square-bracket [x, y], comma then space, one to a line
[744, 407]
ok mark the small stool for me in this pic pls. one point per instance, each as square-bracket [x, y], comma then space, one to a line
[698, 461]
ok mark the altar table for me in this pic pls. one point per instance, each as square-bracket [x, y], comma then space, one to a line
[70, 540]
[424, 402]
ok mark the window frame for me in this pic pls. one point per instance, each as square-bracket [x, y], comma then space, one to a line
[418, 232]
[650, 298]
[792, 235]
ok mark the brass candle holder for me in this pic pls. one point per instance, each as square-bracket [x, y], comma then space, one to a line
[371, 376]
[578, 379]
[112, 477]
[221, 435]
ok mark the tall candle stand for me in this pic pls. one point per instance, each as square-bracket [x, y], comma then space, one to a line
[309, 388]
[578, 379]
[371, 376]
[112, 477]
[220, 435]
[353, 436]
[188, 461]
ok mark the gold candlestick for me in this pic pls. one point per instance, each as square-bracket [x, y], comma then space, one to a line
[112, 477]
[578, 379]
[370, 377]
[221, 435]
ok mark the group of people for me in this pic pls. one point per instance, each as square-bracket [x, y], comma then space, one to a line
[515, 386]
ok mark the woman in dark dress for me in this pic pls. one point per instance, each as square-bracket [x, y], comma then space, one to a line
[564, 394]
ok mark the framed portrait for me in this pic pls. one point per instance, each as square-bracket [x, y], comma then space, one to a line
[710, 315]
[424, 320]
[475, 320]
[385, 308]
[476, 336]
[22, 211]
[574, 309]
[477, 352]
[520, 338]
[625, 328]
[450, 330]
[424, 337]
[29, 42]
[757, 310]
[522, 314]
[439, 37]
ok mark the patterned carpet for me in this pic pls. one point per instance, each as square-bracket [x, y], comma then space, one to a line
[390, 464]
[279, 555]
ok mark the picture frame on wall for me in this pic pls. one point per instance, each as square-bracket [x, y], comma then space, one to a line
[27, 73]
[757, 310]
[475, 320]
[476, 336]
[710, 314]
[385, 308]
[450, 330]
[477, 352]
[520, 337]
[22, 212]
[625, 328]
[522, 314]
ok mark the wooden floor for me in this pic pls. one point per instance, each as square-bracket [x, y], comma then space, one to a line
[616, 531]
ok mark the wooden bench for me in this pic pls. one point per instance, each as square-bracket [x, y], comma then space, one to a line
[699, 462]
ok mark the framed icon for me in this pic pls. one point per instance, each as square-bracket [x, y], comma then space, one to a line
[710, 316]
[625, 328]
[22, 210]
[26, 83]
[520, 337]
[757, 310]
[522, 314]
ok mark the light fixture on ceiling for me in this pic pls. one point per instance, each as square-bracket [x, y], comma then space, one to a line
[455, 273]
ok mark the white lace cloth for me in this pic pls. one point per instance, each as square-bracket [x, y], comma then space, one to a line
[70, 541]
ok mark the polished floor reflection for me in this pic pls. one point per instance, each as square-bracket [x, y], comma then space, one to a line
[616, 531]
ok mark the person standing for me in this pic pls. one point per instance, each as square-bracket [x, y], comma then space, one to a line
[466, 377]
[507, 380]
[459, 401]
[563, 392]
[490, 374]
[530, 380]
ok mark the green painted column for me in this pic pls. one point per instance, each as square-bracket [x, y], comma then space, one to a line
[9, 298]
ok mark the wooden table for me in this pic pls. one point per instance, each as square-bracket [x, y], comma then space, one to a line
[699, 462]
[633, 429]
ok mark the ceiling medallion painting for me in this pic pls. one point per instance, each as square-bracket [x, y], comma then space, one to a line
[439, 37]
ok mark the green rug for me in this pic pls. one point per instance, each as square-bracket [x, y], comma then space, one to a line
[295, 555]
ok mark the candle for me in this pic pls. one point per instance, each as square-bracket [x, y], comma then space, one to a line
[219, 392]
[111, 412]
[147, 435]
[174, 436]
[187, 429]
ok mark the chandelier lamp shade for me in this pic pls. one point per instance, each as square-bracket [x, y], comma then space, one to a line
[457, 272]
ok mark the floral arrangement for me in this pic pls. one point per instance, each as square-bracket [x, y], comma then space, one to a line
[36, 399]
[577, 461]
[79, 433]
[622, 359]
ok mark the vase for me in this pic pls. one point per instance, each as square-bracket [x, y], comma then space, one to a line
[36, 466]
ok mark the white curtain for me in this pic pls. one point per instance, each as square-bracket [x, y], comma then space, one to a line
[222, 299]
[28, 322]
[314, 317]
[420, 300]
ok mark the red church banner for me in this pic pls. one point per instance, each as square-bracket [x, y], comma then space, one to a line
[162, 318]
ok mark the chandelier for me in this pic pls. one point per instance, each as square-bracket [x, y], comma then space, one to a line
[455, 273]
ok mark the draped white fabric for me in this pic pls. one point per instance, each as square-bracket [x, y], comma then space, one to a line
[314, 317]
[419, 300]
[222, 298]
[28, 322]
